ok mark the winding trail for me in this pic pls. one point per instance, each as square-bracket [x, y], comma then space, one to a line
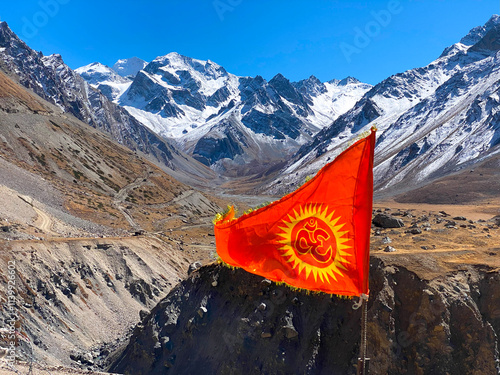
[122, 195]
[43, 221]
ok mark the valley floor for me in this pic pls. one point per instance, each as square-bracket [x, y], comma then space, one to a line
[438, 239]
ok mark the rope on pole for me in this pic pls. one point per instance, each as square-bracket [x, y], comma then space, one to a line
[362, 368]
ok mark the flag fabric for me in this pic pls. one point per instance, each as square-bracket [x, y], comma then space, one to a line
[316, 238]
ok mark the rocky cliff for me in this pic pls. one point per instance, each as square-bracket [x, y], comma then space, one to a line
[222, 321]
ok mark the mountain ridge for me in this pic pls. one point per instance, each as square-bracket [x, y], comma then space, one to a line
[432, 120]
[187, 99]
[50, 78]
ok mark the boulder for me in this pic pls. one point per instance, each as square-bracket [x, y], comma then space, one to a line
[193, 267]
[387, 221]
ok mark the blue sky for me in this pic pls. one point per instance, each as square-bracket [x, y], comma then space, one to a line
[369, 40]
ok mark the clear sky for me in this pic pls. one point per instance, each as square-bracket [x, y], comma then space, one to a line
[369, 40]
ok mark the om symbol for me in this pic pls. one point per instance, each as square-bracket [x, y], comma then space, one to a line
[311, 240]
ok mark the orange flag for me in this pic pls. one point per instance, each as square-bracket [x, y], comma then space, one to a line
[316, 238]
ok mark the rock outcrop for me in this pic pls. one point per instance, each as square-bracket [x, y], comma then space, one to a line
[387, 221]
[222, 321]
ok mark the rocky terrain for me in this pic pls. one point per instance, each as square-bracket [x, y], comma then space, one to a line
[432, 305]
[96, 179]
[62, 283]
[434, 282]
[97, 233]
[52, 370]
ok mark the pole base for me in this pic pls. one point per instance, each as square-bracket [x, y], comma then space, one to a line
[363, 366]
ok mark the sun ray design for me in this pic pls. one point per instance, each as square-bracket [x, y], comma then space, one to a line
[314, 243]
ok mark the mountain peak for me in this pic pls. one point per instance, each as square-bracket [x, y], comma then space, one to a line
[97, 64]
[490, 41]
[287, 90]
[349, 80]
[477, 33]
[5, 27]
[54, 57]
[129, 67]
[259, 79]
[176, 68]
[6, 35]
[279, 78]
[312, 80]
[95, 68]
[177, 61]
[312, 77]
[494, 19]
[280, 82]
[174, 55]
[172, 58]
[311, 86]
[108, 81]
[13, 45]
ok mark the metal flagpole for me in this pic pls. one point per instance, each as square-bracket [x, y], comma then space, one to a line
[362, 360]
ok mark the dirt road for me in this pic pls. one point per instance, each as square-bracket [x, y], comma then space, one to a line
[121, 197]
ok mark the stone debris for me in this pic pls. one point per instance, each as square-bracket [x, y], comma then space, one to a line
[386, 240]
[202, 311]
[387, 221]
[389, 249]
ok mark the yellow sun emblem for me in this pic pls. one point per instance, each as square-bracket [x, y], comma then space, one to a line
[312, 241]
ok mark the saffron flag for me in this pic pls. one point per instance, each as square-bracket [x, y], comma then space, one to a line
[316, 238]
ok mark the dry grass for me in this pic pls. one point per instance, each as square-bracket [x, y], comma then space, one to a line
[10, 90]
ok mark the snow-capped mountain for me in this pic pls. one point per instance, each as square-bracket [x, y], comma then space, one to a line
[431, 121]
[129, 68]
[54, 81]
[226, 121]
[333, 98]
[104, 79]
[174, 94]
[477, 33]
